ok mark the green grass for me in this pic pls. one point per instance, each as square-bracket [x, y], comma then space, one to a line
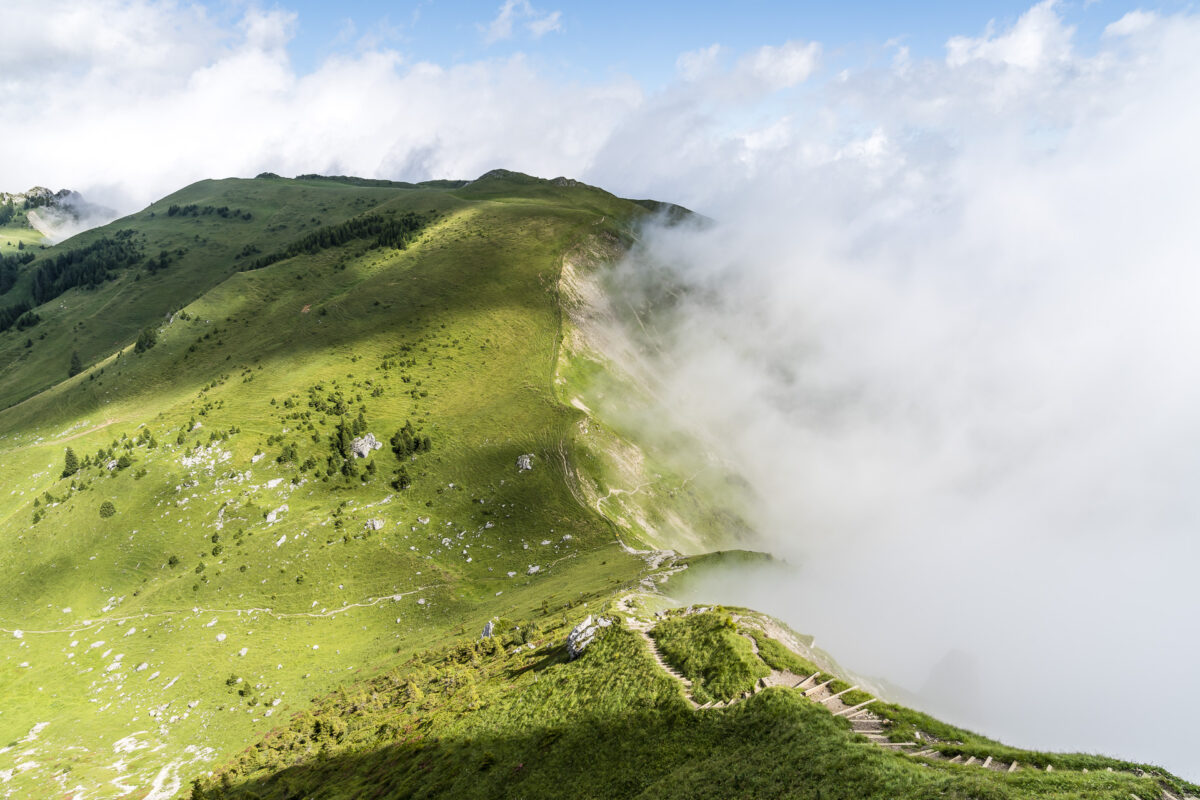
[13, 236]
[709, 650]
[471, 311]
[473, 720]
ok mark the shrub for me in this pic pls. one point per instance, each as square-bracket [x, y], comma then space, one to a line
[107, 509]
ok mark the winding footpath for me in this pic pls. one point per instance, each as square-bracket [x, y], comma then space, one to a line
[871, 726]
[94, 624]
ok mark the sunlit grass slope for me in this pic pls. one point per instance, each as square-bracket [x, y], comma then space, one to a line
[237, 547]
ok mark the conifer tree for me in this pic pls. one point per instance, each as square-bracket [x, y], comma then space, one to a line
[70, 464]
[76, 365]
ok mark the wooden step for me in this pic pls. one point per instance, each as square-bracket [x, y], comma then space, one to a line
[854, 709]
[839, 694]
[806, 680]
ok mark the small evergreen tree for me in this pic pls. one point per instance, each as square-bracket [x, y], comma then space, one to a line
[146, 339]
[70, 463]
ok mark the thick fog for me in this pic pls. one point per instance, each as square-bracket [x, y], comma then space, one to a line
[956, 355]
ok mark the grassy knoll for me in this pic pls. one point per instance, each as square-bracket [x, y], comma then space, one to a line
[709, 650]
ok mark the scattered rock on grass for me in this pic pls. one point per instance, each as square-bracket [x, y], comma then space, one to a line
[583, 634]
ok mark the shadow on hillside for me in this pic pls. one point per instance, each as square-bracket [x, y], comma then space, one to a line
[771, 746]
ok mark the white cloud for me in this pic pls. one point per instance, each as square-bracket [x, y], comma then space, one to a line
[549, 23]
[1038, 37]
[943, 328]
[696, 64]
[784, 66]
[1133, 22]
[537, 23]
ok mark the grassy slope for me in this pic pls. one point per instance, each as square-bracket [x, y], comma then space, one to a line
[13, 235]
[477, 720]
[97, 322]
[475, 301]
[459, 334]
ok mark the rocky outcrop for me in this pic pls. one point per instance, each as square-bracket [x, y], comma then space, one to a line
[488, 630]
[583, 634]
[363, 445]
[525, 462]
[374, 524]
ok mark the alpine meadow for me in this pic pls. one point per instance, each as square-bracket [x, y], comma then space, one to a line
[322, 432]
[537, 399]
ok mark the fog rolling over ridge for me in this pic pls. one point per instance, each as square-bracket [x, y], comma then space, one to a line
[958, 365]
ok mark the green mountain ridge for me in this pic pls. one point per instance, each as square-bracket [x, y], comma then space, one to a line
[322, 431]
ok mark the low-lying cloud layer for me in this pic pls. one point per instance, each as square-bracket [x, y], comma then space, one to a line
[947, 311]
[954, 355]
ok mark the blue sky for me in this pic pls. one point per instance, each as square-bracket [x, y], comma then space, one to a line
[643, 39]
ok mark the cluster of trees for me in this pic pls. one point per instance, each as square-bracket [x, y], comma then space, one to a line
[406, 443]
[146, 339]
[10, 269]
[41, 199]
[395, 232]
[341, 442]
[7, 211]
[163, 260]
[10, 315]
[193, 210]
[87, 266]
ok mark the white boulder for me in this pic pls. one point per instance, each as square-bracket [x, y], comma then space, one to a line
[583, 634]
[363, 445]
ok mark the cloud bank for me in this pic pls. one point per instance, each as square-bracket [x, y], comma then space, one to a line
[947, 309]
[945, 327]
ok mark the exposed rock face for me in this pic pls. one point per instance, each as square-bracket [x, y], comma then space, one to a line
[488, 630]
[374, 524]
[583, 634]
[274, 515]
[525, 462]
[363, 445]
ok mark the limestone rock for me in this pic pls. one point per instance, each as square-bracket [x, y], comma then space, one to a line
[525, 462]
[363, 445]
[374, 524]
[583, 634]
[488, 630]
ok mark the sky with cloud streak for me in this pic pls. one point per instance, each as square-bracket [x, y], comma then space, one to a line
[953, 277]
